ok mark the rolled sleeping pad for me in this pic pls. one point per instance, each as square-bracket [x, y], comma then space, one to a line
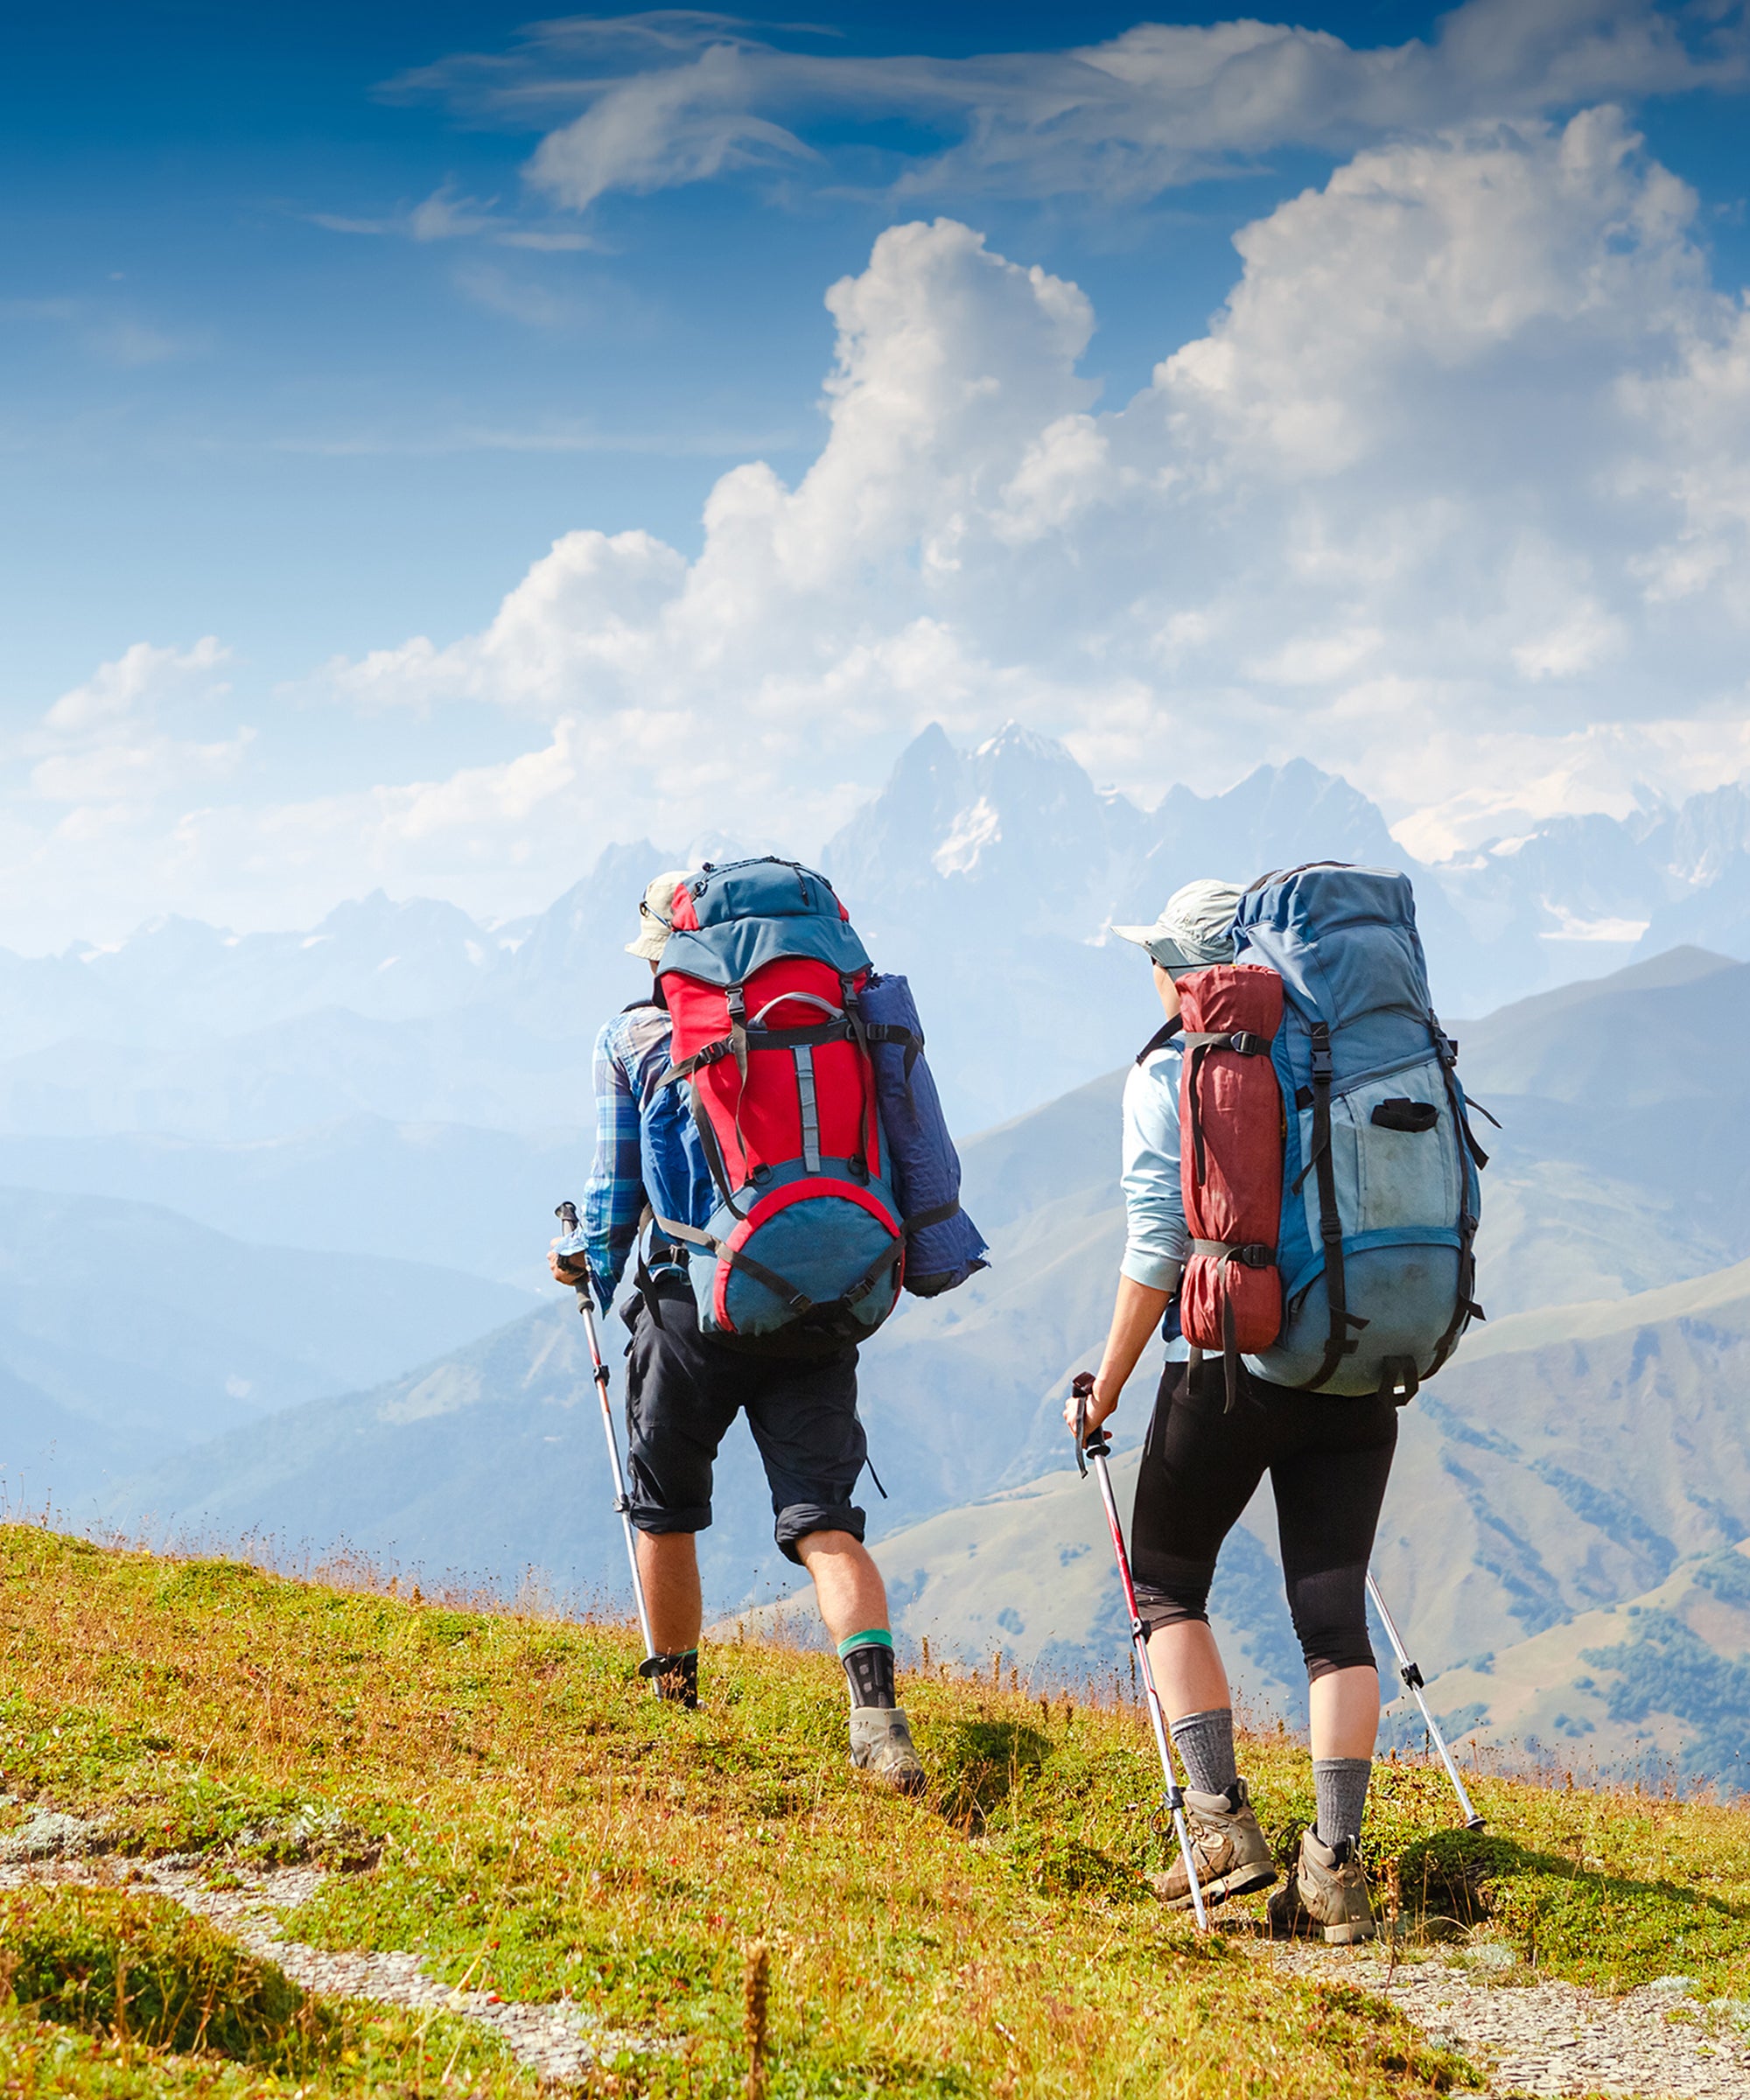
[923, 1168]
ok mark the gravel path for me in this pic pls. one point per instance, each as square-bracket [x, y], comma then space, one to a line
[1546, 2037]
[1531, 2036]
[559, 2041]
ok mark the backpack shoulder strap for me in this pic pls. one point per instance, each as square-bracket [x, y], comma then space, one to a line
[1159, 1039]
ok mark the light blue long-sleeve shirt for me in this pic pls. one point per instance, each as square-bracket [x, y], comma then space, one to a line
[1156, 1240]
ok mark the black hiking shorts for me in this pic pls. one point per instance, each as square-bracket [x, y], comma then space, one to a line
[682, 1391]
[1328, 1458]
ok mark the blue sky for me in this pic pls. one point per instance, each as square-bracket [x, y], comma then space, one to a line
[224, 415]
[308, 343]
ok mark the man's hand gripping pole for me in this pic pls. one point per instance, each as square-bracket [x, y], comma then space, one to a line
[567, 1215]
[1096, 1445]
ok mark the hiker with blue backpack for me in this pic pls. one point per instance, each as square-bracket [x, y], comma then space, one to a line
[772, 1157]
[1301, 1197]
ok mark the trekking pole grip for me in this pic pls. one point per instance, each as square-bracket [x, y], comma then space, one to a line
[567, 1214]
[1088, 1445]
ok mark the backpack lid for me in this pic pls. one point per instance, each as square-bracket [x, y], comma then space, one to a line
[1343, 941]
[730, 920]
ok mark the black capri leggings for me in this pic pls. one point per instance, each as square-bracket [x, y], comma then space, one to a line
[1328, 1458]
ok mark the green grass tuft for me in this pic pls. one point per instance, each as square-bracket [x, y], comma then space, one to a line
[141, 1968]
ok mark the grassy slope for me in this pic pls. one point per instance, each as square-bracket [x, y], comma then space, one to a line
[550, 1828]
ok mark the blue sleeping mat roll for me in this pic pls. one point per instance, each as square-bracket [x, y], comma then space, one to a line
[923, 1168]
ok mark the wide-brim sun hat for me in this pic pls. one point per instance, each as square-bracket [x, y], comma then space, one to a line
[1195, 929]
[655, 908]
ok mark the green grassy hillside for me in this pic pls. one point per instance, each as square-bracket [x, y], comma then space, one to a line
[498, 1795]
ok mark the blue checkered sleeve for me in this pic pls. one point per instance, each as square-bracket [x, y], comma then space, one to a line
[613, 1198]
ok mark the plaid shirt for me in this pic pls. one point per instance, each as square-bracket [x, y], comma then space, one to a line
[646, 1148]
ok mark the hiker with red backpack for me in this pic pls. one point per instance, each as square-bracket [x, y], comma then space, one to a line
[1301, 1196]
[771, 1154]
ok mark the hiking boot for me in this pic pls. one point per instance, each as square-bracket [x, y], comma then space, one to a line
[1232, 1857]
[881, 1746]
[1325, 1894]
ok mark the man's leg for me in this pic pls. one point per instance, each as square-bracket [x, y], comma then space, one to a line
[669, 1562]
[848, 1584]
[804, 1421]
[853, 1602]
[679, 1401]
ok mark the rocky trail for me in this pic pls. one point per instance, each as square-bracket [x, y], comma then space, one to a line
[1542, 2036]
[1528, 2035]
[559, 2041]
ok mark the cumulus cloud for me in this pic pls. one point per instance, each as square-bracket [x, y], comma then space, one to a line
[110, 751]
[651, 101]
[1451, 496]
[1394, 509]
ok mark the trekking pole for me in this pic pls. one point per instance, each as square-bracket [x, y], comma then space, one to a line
[1096, 1447]
[1411, 1676]
[567, 1215]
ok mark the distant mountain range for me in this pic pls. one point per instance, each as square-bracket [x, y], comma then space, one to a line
[246, 1182]
[1575, 1456]
[990, 876]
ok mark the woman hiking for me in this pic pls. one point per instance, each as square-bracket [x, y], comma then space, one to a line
[1328, 1459]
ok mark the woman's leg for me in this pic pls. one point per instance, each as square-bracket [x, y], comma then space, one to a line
[1199, 1468]
[1345, 1705]
[1188, 1670]
[1329, 1485]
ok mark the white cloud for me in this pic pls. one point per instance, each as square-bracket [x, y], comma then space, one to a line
[645, 102]
[134, 684]
[1415, 506]
[1381, 495]
[446, 214]
[109, 752]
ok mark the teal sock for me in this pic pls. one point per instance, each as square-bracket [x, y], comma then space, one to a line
[868, 1660]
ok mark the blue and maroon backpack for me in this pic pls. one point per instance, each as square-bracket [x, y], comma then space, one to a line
[1327, 1161]
[837, 1182]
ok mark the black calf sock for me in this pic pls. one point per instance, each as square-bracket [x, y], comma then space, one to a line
[868, 1660]
[675, 1677]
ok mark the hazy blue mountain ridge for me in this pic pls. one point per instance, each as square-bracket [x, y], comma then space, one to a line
[150, 1334]
[459, 1195]
[962, 1394]
[989, 877]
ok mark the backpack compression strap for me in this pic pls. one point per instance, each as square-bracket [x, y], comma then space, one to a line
[1465, 1306]
[1341, 1342]
[1255, 1254]
[1244, 1042]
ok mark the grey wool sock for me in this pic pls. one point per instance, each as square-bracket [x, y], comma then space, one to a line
[1205, 1743]
[1342, 1785]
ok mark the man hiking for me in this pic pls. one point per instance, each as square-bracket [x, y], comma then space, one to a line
[736, 1117]
[1206, 1451]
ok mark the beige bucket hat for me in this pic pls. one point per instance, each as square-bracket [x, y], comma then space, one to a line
[653, 907]
[1196, 927]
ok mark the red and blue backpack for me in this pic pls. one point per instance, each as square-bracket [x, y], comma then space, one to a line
[768, 987]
